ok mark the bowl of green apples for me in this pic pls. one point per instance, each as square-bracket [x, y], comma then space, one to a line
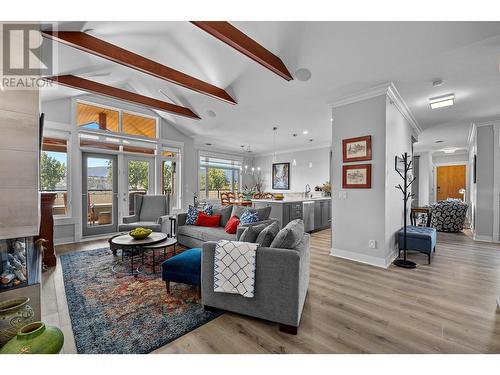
[140, 233]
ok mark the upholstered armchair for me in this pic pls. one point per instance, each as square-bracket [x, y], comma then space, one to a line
[448, 216]
[151, 212]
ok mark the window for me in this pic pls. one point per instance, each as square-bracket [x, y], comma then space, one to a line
[170, 172]
[97, 118]
[54, 172]
[218, 175]
[139, 125]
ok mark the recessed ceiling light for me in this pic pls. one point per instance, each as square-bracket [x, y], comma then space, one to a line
[303, 74]
[294, 134]
[310, 140]
[442, 101]
[211, 113]
[208, 144]
[305, 132]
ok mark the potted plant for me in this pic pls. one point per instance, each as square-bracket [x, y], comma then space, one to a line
[327, 188]
[248, 192]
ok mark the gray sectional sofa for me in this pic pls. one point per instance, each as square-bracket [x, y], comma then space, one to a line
[281, 282]
[194, 236]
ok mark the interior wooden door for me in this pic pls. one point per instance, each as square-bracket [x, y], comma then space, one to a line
[450, 179]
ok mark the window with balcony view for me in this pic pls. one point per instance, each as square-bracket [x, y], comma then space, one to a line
[218, 175]
[54, 172]
[170, 181]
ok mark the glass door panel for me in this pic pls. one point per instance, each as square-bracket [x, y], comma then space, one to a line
[139, 179]
[99, 194]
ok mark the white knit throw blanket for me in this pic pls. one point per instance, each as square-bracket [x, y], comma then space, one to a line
[234, 267]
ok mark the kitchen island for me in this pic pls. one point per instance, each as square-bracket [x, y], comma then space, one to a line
[316, 212]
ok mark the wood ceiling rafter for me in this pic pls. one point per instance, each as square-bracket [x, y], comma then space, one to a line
[101, 48]
[233, 37]
[120, 94]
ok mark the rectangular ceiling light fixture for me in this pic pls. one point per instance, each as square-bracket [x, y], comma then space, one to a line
[442, 101]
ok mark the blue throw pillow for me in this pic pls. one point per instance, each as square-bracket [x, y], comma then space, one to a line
[208, 209]
[192, 215]
[248, 217]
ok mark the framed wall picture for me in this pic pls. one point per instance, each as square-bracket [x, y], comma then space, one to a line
[281, 176]
[357, 149]
[357, 176]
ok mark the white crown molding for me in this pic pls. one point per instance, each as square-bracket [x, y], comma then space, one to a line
[299, 149]
[403, 108]
[487, 123]
[359, 96]
[471, 136]
[388, 89]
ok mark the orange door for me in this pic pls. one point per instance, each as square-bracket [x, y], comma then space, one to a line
[450, 179]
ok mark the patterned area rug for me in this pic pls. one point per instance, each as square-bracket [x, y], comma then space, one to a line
[117, 313]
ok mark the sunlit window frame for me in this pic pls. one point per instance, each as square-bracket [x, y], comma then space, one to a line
[63, 135]
[120, 121]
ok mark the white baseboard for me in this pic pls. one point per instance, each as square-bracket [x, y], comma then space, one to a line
[63, 240]
[480, 237]
[363, 258]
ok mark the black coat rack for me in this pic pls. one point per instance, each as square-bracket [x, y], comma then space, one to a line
[406, 195]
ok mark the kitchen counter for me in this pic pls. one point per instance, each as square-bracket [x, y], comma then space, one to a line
[316, 212]
[293, 200]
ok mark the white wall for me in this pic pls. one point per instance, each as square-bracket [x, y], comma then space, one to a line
[484, 220]
[425, 179]
[376, 213]
[361, 217]
[398, 141]
[313, 168]
[455, 158]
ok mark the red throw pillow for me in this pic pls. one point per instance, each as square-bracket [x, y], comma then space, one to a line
[205, 220]
[232, 225]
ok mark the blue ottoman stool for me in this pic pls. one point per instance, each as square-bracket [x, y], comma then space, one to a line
[183, 268]
[421, 239]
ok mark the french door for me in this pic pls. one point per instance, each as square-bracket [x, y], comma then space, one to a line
[99, 193]
[139, 180]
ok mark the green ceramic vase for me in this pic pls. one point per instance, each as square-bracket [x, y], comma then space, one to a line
[35, 338]
[14, 314]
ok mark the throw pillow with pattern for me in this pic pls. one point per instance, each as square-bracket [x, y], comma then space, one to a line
[249, 217]
[208, 209]
[192, 215]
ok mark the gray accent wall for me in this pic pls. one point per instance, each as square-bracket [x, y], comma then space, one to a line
[484, 185]
[376, 213]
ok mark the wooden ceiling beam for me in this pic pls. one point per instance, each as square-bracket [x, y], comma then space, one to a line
[127, 96]
[99, 47]
[230, 35]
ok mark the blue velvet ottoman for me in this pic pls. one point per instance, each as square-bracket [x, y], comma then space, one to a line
[183, 268]
[421, 239]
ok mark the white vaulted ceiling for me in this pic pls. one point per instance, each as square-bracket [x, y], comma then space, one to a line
[343, 57]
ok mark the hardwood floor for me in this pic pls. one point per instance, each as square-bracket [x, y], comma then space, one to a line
[446, 307]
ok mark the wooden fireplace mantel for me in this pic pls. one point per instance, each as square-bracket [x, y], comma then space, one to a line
[47, 228]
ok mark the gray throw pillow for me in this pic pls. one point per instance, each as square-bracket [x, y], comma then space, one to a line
[225, 214]
[290, 236]
[267, 235]
[263, 212]
[251, 233]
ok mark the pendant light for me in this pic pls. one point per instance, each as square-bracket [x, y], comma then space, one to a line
[274, 143]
